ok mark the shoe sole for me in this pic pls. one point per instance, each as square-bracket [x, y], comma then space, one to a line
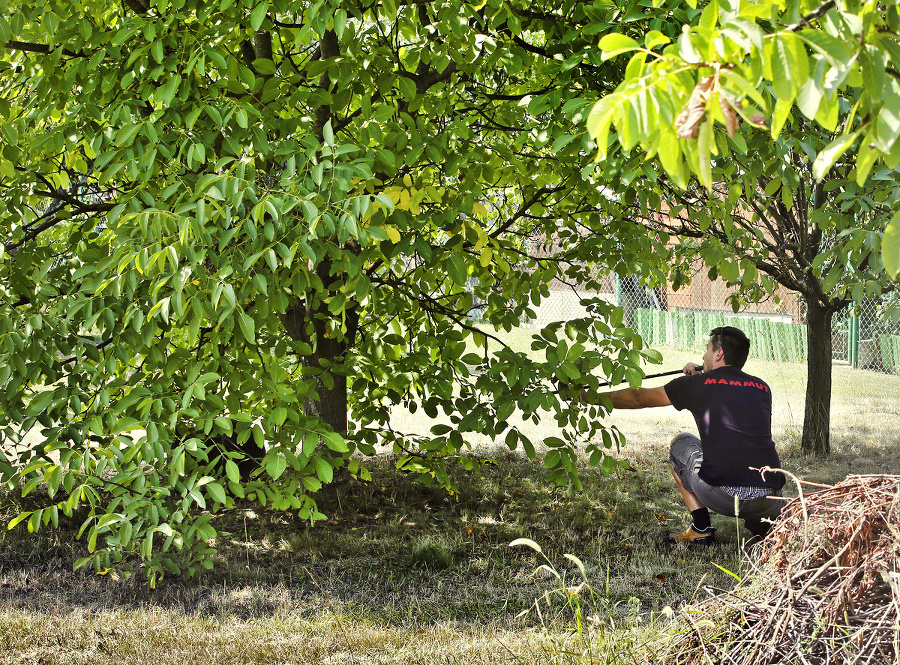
[703, 542]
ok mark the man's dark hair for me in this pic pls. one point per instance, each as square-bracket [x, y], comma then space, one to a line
[734, 344]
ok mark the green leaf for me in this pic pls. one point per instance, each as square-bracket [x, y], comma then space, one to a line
[779, 62]
[887, 124]
[224, 424]
[264, 66]
[809, 97]
[600, 119]
[457, 270]
[216, 491]
[871, 62]
[165, 94]
[407, 88]
[261, 284]
[655, 38]
[835, 49]
[21, 517]
[248, 327]
[279, 415]
[608, 467]
[40, 403]
[232, 471]
[704, 148]
[335, 441]
[258, 15]
[614, 44]
[782, 113]
[324, 470]
[670, 156]
[890, 248]
[865, 161]
[831, 153]
[552, 459]
[505, 410]
[276, 465]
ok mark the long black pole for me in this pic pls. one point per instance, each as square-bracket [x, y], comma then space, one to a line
[649, 376]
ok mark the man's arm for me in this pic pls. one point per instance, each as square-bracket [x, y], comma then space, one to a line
[629, 398]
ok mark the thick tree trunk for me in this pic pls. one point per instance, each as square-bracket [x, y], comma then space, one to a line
[817, 417]
[331, 406]
[311, 326]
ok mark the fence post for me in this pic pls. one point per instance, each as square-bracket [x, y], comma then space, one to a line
[853, 342]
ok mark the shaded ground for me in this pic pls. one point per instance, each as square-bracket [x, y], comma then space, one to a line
[402, 573]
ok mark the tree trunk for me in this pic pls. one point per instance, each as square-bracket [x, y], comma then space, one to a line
[311, 326]
[817, 417]
[331, 406]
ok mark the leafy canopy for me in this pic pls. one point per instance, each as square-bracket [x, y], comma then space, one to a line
[237, 234]
[834, 62]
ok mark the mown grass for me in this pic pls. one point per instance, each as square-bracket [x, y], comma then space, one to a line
[403, 573]
[396, 564]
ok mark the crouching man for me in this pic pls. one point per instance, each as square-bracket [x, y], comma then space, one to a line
[733, 412]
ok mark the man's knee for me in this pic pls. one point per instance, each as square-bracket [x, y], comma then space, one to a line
[681, 447]
[682, 437]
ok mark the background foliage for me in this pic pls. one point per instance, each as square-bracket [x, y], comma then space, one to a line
[833, 63]
[803, 194]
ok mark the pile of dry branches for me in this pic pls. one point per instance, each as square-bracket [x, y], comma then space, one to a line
[825, 586]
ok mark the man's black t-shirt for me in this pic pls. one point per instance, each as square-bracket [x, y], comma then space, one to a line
[733, 411]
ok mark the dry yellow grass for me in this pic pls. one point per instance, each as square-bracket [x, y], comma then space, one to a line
[171, 638]
[347, 591]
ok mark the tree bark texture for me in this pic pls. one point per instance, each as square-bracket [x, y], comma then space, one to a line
[310, 325]
[817, 415]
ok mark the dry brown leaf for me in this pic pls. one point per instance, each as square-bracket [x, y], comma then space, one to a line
[731, 117]
[759, 120]
[691, 117]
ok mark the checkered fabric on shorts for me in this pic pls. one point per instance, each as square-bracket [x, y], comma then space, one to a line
[746, 493]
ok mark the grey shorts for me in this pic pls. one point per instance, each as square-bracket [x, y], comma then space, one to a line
[686, 455]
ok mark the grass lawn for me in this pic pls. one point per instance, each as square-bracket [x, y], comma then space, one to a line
[402, 573]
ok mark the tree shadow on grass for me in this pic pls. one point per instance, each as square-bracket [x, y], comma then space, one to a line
[371, 558]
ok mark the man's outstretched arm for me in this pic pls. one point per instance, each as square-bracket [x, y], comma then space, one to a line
[628, 398]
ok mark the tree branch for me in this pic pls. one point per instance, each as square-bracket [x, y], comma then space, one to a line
[806, 21]
[100, 346]
[31, 47]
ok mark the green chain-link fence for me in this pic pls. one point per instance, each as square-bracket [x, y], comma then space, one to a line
[770, 340]
[868, 335]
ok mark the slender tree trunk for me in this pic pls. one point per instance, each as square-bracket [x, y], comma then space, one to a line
[817, 417]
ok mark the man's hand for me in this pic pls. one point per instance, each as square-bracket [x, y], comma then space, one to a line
[692, 368]
[569, 392]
